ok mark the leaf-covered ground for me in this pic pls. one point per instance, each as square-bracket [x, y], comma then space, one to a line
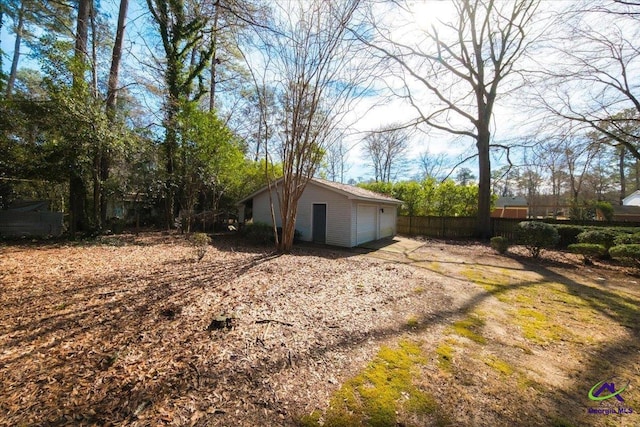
[116, 332]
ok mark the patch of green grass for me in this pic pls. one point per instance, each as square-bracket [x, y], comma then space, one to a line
[310, 420]
[536, 326]
[445, 357]
[413, 322]
[494, 281]
[419, 290]
[499, 365]
[383, 390]
[470, 328]
[560, 422]
[523, 298]
[525, 383]
[435, 267]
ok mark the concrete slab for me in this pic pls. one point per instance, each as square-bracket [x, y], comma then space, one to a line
[397, 244]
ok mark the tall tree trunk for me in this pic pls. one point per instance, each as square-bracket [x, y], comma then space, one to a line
[214, 59]
[98, 148]
[116, 56]
[112, 98]
[82, 35]
[623, 184]
[77, 190]
[1, 53]
[484, 170]
[16, 50]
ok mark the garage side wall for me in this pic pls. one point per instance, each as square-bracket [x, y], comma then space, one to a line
[338, 213]
[262, 211]
[338, 217]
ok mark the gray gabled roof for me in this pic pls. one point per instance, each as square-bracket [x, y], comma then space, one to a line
[350, 191]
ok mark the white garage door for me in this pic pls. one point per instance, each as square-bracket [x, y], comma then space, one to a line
[366, 224]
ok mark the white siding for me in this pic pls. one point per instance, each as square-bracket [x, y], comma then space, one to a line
[262, 210]
[338, 213]
[338, 218]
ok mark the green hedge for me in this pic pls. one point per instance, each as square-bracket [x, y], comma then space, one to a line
[626, 252]
[536, 235]
[568, 234]
[605, 237]
[627, 239]
[588, 249]
[499, 244]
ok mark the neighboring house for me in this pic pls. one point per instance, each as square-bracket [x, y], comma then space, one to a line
[622, 214]
[30, 218]
[511, 207]
[330, 212]
[632, 199]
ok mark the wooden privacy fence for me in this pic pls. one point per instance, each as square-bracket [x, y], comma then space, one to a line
[465, 227]
[437, 226]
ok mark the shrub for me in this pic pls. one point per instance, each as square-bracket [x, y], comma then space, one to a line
[536, 235]
[626, 252]
[606, 209]
[262, 233]
[627, 239]
[568, 234]
[604, 237]
[499, 244]
[297, 235]
[258, 232]
[200, 241]
[588, 249]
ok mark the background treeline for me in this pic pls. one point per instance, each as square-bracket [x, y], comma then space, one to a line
[430, 197]
[77, 130]
[174, 109]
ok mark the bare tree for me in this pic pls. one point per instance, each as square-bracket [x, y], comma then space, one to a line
[386, 148]
[432, 165]
[593, 84]
[309, 55]
[577, 154]
[463, 63]
[336, 161]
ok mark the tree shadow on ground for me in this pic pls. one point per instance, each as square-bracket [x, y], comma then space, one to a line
[125, 317]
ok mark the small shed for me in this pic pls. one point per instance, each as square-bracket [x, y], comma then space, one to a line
[331, 213]
[511, 207]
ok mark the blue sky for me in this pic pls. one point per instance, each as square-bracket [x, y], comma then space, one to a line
[509, 117]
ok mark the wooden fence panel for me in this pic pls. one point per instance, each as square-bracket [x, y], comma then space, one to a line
[437, 226]
[465, 227]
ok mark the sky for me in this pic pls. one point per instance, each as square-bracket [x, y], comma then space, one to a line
[509, 117]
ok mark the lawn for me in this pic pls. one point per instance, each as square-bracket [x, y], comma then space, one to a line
[126, 330]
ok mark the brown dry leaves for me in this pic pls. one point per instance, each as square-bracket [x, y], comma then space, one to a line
[115, 333]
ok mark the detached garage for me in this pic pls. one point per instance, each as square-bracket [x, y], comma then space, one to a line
[331, 213]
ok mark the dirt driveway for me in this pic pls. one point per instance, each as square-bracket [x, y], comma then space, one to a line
[121, 331]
